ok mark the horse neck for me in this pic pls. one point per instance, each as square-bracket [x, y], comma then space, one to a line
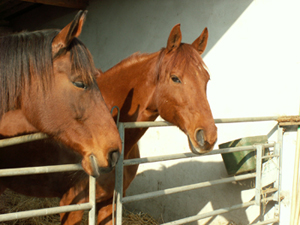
[130, 85]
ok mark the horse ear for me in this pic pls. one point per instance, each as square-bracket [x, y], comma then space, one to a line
[200, 43]
[174, 38]
[69, 32]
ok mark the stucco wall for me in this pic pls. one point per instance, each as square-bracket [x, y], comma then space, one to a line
[254, 62]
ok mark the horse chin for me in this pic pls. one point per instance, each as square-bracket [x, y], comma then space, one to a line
[106, 169]
[197, 149]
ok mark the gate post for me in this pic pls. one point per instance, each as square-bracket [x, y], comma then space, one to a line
[92, 200]
[259, 150]
[119, 177]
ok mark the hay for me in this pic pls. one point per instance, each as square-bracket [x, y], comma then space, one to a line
[14, 202]
[137, 218]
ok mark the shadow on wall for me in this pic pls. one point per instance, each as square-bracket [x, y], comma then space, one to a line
[148, 23]
[173, 207]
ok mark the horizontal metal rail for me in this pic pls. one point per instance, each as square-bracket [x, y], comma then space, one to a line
[44, 212]
[40, 136]
[22, 139]
[186, 188]
[215, 212]
[39, 170]
[129, 162]
[270, 221]
[223, 120]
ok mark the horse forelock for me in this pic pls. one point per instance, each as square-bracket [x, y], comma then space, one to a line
[186, 57]
[82, 61]
[24, 56]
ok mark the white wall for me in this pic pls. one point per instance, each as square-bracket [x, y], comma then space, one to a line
[254, 58]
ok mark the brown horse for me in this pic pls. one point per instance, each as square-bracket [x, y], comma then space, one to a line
[48, 84]
[170, 83]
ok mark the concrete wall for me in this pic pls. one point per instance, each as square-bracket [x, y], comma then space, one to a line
[253, 57]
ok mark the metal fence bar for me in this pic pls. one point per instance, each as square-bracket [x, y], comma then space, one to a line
[39, 136]
[186, 188]
[259, 152]
[213, 213]
[39, 170]
[119, 177]
[223, 120]
[22, 139]
[247, 119]
[92, 200]
[129, 162]
[271, 221]
[278, 150]
[44, 212]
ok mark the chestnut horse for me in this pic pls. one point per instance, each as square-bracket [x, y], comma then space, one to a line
[48, 84]
[170, 83]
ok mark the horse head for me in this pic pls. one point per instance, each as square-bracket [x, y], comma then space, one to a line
[71, 108]
[180, 95]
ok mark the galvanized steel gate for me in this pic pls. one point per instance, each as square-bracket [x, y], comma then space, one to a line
[119, 178]
[120, 200]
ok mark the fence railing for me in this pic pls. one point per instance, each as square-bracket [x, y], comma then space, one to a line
[119, 171]
[259, 148]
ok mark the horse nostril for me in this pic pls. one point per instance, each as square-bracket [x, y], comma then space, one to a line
[200, 137]
[113, 157]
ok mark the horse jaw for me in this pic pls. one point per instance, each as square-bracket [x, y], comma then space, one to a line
[14, 123]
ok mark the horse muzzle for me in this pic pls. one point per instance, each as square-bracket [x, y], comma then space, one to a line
[201, 144]
[93, 169]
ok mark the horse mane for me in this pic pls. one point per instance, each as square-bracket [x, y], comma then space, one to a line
[129, 61]
[28, 55]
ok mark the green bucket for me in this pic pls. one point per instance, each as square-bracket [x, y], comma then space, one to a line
[242, 161]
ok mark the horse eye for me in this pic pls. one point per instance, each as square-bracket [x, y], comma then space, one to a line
[80, 84]
[175, 79]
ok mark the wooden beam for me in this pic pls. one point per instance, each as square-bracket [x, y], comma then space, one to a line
[75, 4]
[15, 9]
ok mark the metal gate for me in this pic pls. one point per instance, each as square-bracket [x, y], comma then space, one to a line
[91, 205]
[119, 178]
[259, 192]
